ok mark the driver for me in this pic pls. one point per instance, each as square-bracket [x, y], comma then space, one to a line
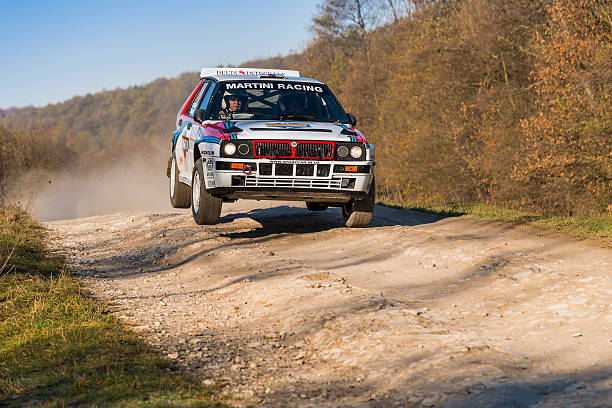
[233, 104]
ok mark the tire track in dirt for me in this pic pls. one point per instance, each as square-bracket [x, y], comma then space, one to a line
[284, 307]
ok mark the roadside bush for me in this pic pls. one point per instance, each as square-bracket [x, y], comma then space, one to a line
[37, 149]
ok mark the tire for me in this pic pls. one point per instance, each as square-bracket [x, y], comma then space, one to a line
[358, 213]
[180, 194]
[206, 208]
[312, 206]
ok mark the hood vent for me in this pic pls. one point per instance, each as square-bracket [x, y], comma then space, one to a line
[348, 132]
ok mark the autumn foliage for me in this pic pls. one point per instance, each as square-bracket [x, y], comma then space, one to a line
[483, 101]
[566, 160]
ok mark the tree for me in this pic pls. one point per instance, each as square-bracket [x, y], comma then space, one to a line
[344, 18]
[566, 163]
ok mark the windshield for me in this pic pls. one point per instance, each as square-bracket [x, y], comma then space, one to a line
[275, 100]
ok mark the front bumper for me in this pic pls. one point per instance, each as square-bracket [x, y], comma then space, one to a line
[280, 180]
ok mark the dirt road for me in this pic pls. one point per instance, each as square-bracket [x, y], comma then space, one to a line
[284, 307]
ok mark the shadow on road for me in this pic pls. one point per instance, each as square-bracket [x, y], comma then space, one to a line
[295, 220]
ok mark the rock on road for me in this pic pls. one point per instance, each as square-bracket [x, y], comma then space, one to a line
[285, 307]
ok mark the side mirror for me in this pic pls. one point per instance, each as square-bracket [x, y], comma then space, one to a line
[352, 119]
[199, 115]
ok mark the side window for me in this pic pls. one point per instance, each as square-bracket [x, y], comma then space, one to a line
[207, 96]
[196, 99]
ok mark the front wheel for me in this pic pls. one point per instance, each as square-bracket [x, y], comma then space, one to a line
[358, 213]
[206, 208]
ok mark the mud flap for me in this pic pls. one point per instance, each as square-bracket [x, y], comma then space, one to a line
[169, 165]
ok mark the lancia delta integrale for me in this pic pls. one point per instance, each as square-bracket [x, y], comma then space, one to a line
[247, 133]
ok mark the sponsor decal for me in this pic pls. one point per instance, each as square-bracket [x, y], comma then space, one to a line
[294, 161]
[247, 71]
[299, 87]
[287, 125]
[274, 85]
[208, 152]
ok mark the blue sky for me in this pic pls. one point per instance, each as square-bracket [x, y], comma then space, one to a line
[53, 50]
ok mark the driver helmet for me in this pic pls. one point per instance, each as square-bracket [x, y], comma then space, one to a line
[235, 96]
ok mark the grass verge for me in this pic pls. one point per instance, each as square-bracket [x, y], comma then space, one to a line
[58, 348]
[598, 228]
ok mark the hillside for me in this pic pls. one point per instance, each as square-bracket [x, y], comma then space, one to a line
[466, 101]
[104, 121]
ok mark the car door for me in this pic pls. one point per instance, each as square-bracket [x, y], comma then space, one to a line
[188, 137]
[195, 131]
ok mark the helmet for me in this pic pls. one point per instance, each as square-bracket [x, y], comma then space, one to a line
[235, 96]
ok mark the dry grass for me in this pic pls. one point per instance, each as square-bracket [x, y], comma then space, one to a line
[596, 228]
[57, 347]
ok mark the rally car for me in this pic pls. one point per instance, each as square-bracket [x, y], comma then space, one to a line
[249, 133]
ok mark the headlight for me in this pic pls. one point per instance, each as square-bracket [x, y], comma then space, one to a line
[342, 151]
[229, 149]
[356, 152]
[243, 148]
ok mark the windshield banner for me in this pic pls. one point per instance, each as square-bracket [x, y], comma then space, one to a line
[274, 85]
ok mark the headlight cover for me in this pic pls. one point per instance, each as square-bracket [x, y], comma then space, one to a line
[356, 152]
[229, 149]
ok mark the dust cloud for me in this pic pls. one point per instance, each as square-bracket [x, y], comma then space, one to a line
[125, 185]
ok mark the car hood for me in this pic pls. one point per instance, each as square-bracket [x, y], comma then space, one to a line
[295, 130]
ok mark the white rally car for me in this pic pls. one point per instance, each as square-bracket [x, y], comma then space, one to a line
[268, 135]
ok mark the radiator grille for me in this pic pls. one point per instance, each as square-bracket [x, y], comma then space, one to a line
[315, 150]
[272, 149]
[302, 150]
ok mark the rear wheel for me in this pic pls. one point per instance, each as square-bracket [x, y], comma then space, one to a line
[180, 194]
[312, 206]
[358, 213]
[206, 208]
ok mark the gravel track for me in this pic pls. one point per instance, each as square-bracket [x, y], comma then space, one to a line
[280, 306]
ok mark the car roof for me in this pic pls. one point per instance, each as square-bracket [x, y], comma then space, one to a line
[223, 78]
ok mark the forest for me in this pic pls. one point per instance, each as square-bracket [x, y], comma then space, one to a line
[495, 102]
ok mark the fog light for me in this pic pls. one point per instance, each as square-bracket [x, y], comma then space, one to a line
[243, 148]
[230, 149]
